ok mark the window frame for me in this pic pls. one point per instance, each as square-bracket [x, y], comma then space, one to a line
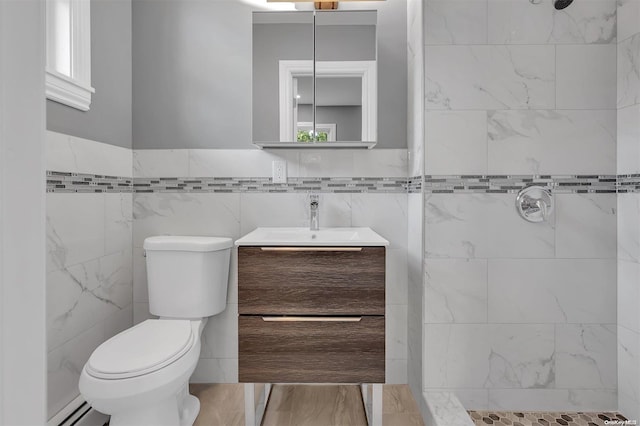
[74, 90]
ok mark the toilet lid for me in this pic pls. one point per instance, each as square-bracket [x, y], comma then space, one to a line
[142, 349]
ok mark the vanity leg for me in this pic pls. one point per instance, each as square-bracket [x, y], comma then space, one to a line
[249, 404]
[376, 405]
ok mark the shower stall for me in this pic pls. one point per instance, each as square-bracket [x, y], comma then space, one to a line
[507, 315]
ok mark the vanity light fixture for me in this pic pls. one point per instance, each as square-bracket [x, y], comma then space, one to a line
[319, 5]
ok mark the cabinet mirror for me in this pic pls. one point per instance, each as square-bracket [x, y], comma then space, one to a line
[314, 79]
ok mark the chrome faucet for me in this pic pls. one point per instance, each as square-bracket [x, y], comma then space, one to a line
[313, 206]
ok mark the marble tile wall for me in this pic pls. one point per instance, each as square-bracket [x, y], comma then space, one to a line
[628, 102]
[519, 315]
[89, 267]
[235, 214]
[415, 169]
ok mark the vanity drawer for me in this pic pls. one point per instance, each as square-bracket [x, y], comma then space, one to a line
[311, 280]
[311, 350]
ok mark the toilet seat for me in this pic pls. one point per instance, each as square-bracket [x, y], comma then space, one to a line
[142, 349]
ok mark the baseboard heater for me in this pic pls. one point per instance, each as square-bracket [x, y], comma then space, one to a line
[78, 413]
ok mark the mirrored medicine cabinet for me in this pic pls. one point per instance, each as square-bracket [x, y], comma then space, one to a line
[314, 79]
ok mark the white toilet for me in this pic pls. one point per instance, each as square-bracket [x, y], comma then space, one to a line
[141, 376]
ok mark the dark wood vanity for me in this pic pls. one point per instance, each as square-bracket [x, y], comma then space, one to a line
[311, 314]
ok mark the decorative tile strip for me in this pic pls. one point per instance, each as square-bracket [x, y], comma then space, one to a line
[293, 185]
[414, 184]
[86, 183]
[64, 182]
[504, 184]
[628, 183]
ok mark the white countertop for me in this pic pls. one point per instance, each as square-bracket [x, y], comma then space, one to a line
[338, 237]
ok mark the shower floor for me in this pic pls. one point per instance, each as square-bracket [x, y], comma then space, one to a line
[499, 418]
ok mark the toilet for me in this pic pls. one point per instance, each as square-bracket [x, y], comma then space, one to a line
[141, 376]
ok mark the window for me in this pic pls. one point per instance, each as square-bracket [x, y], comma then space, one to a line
[69, 53]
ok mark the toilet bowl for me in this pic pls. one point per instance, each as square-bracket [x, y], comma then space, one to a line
[141, 376]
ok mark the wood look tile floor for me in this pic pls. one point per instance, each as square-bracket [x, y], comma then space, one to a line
[305, 405]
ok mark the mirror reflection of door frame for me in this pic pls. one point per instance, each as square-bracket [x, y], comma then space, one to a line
[291, 69]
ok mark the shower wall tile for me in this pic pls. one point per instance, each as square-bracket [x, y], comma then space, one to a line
[456, 142]
[553, 399]
[629, 71]
[546, 142]
[415, 291]
[469, 397]
[628, 148]
[490, 77]
[455, 291]
[586, 226]
[585, 66]
[586, 356]
[629, 227]
[629, 372]
[455, 21]
[585, 22]
[629, 295]
[489, 356]
[513, 88]
[545, 291]
[483, 226]
[628, 18]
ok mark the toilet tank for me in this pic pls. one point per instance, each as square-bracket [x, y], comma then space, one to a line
[187, 277]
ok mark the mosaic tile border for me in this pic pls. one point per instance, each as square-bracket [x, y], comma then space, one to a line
[504, 184]
[65, 182]
[484, 418]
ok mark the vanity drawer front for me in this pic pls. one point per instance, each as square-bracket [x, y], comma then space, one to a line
[304, 350]
[305, 281]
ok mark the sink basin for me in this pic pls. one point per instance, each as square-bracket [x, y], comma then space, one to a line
[338, 237]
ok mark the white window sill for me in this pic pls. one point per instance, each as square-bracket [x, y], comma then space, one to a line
[67, 91]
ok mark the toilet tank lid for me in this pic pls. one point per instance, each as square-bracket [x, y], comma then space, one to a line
[187, 243]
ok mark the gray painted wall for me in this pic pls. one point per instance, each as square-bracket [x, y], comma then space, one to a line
[109, 119]
[192, 64]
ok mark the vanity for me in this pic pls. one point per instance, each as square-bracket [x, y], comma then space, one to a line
[311, 309]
